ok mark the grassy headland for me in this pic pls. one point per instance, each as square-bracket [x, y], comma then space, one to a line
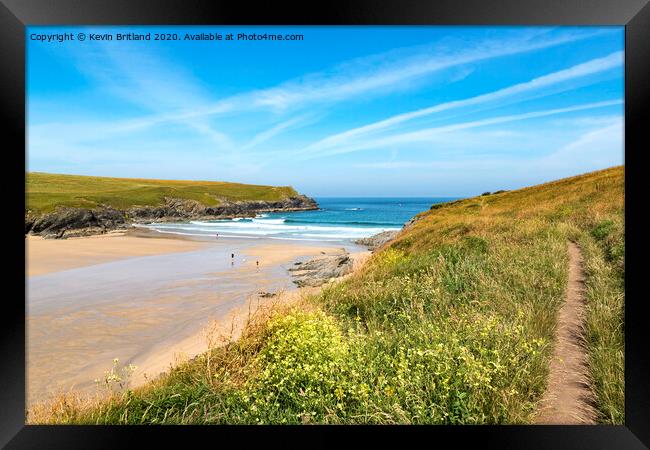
[451, 323]
[45, 191]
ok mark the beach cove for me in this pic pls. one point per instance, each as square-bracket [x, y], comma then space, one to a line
[147, 295]
[143, 297]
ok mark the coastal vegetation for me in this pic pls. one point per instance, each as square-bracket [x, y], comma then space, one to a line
[46, 191]
[450, 322]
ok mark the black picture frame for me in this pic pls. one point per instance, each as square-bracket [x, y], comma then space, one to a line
[15, 15]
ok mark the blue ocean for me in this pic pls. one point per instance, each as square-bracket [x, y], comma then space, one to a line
[338, 219]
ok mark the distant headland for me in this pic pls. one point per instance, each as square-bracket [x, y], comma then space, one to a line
[60, 206]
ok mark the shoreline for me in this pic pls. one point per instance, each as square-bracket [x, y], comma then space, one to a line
[66, 222]
[155, 323]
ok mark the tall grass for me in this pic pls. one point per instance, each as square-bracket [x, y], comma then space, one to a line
[452, 323]
[604, 251]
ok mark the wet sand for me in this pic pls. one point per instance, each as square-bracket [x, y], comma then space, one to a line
[146, 301]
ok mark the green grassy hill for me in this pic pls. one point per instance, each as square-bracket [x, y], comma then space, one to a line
[45, 191]
[451, 323]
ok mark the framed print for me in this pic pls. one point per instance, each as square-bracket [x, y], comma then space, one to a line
[391, 219]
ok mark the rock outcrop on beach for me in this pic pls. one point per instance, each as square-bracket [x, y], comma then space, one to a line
[320, 270]
[66, 221]
[376, 241]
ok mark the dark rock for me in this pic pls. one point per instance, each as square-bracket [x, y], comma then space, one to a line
[318, 271]
[29, 224]
[410, 222]
[63, 220]
[376, 241]
[175, 209]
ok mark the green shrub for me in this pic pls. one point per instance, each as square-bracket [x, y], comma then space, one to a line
[603, 229]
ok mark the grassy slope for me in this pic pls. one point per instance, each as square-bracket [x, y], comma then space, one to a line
[452, 323]
[45, 191]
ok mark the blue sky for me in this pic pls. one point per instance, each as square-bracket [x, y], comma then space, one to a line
[347, 111]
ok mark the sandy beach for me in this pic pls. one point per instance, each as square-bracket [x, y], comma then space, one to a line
[54, 255]
[148, 301]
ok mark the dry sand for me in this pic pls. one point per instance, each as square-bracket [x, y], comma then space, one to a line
[54, 255]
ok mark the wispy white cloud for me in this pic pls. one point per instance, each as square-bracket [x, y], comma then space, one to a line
[274, 131]
[427, 134]
[596, 148]
[147, 80]
[177, 97]
[581, 70]
[386, 76]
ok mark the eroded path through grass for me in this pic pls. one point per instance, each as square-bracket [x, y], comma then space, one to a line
[568, 398]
